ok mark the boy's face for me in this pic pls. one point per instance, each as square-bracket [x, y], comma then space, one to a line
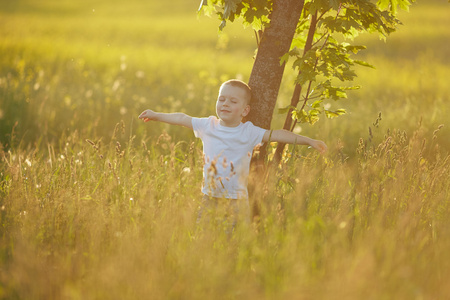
[231, 105]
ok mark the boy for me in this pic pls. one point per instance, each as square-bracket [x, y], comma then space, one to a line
[228, 144]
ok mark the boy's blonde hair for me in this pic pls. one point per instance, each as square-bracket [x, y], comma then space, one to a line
[242, 85]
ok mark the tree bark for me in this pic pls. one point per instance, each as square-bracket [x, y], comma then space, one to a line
[267, 72]
[265, 80]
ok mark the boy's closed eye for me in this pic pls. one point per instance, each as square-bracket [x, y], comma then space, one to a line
[232, 100]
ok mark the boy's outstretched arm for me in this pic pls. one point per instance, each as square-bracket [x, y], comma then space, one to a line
[287, 137]
[180, 119]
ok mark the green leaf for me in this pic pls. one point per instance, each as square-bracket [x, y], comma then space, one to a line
[392, 5]
[317, 104]
[333, 92]
[354, 49]
[363, 63]
[383, 4]
[300, 115]
[313, 117]
[230, 11]
[341, 94]
[333, 114]
[284, 59]
[306, 76]
[314, 112]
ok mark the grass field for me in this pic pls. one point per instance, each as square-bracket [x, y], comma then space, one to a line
[95, 205]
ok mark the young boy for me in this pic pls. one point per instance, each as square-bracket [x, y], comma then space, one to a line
[228, 144]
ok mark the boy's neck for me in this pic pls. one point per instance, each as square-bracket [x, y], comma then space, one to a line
[221, 122]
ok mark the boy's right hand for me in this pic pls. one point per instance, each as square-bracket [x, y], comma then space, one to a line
[147, 115]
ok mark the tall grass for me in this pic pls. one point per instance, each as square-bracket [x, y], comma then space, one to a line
[94, 205]
[103, 219]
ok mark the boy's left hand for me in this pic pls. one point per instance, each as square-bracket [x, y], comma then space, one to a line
[319, 146]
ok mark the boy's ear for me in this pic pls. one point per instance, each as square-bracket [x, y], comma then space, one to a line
[246, 111]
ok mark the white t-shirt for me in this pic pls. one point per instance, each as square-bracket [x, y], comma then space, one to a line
[227, 154]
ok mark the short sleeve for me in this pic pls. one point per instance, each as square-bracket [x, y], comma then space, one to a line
[199, 125]
[255, 134]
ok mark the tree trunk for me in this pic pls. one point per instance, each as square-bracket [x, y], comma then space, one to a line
[265, 80]
[267, 72]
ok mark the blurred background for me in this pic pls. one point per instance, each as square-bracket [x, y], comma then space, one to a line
[85, 66]
[95, 204]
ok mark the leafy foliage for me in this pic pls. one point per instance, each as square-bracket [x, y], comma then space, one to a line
[254, 13]
[326, 58]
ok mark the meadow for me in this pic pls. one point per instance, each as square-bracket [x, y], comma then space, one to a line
[96, 205]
